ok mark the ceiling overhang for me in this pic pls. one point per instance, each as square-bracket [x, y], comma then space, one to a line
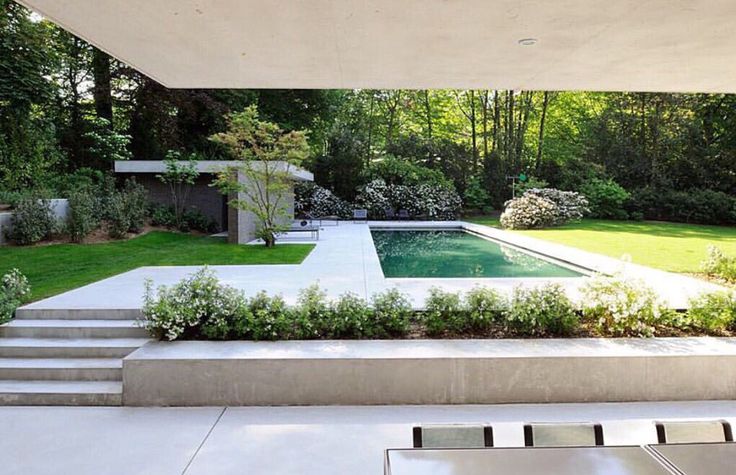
[602, 45]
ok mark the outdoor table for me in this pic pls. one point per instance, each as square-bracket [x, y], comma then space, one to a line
[700, 459]
[524, 461]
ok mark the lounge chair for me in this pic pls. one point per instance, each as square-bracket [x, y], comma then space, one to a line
[687, 432]
[447, 436]
[312, 230]
[565, 434]
[360, 215]
[404, 214]
[390, 213]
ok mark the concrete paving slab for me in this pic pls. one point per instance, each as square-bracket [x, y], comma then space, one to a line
[101, 441]
[351, 440]
[345, 260]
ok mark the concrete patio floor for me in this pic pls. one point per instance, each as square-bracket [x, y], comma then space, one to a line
[345, 260]
[282, 441]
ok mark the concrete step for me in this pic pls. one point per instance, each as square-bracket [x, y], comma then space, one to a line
[69, 347]
[61, 369]
[60, 393]
[30, 313]
[73, 329]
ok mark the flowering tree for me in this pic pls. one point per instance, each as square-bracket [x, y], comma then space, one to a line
[260, 183]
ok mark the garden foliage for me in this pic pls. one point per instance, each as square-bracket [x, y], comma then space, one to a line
[718, 264]
[618, 306]
[426, 200]
[543, 207]
[606, 199]
[32, 221]
[14, 291]
[312, 199]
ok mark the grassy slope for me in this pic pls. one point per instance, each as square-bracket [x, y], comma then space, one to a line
[669, 246]
[58, 268]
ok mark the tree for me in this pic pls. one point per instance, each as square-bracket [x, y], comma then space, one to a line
[260, 183]
[180, 177]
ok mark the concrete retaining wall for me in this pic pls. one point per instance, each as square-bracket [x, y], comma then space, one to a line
[429, 372]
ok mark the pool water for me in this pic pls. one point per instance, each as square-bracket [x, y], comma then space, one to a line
[457, 254]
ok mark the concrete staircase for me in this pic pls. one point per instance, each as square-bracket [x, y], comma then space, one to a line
[66, 357]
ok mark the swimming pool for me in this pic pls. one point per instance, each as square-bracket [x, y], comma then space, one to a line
[456, 253]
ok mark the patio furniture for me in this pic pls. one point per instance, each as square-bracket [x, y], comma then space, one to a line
[452, 435]
[525, 461]
[312, 230]
[566, 434]
[360, 215]
[684, 432]
[322, 219]
[700, 459]
[404, 214]
[390, 213]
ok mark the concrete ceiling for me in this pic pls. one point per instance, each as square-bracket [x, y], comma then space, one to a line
[633, 45]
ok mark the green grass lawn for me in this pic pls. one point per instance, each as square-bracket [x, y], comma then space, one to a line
[668, 246]
[57, 268]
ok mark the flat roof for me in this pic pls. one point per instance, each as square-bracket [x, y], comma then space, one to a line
[203, 166]
[602, 45]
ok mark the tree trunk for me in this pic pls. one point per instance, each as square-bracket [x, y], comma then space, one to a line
[102, 90]
[428, 111]
[540, 147]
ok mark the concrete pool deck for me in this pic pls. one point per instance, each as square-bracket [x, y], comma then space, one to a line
[284, 441]
[345, 260]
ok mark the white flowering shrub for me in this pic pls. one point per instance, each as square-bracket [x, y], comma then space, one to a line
[529, 212]
[542, 311]
[543, 207]
[197, 304]
[317, 201]
[426, 200]
[618, 306]
[14, 291]
[718, 264]
[571, 206]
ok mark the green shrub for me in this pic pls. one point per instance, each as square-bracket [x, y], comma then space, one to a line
[606, 199]
[313, 313]
[14, 291]
[163, 216]
[10, 197]
[194, 219]
[714, 312]
[476, 197]
[542, 311]
[136, 201]
[700, 206]
[82, 218]
[351, 318]
[484, 307]
[32, 221]
[444, 312]
[272, 318]
[126, 210]
[392, 314]
[622, 307]
[717, 264]
[183, 310]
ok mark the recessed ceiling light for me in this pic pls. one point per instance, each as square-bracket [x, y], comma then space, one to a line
[528, 41]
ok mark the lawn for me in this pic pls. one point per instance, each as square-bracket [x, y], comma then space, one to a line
[58, 268]
[672, 247]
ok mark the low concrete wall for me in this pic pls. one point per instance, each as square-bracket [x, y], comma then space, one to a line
[60, 208]
[429, 372]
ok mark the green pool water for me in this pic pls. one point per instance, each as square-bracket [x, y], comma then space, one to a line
[457, 254]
